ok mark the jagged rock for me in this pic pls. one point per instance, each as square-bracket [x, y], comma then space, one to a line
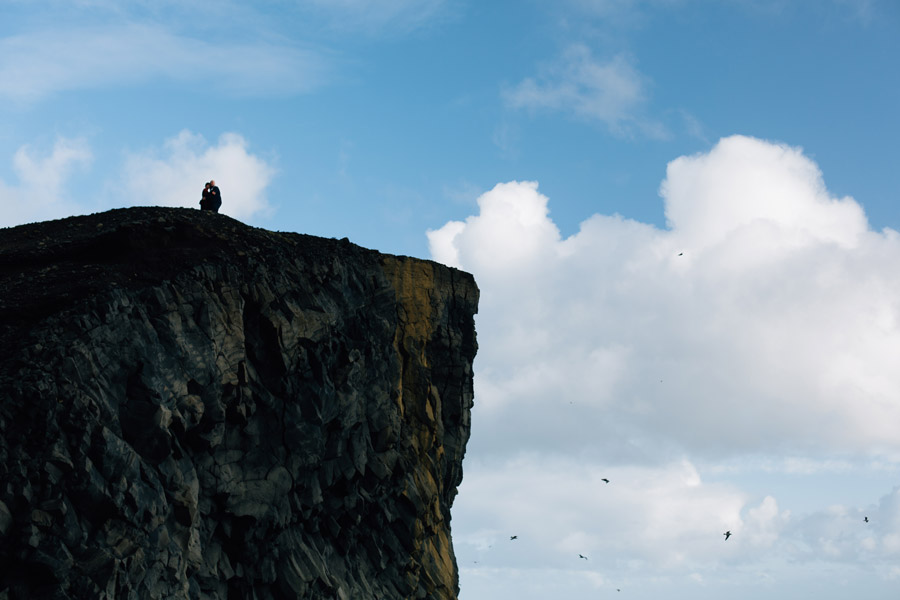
[194, 408]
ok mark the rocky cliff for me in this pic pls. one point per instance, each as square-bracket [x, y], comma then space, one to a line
[194, 408]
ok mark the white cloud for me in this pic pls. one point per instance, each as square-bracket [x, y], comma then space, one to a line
[173, 175]
[794, 465]
[40, 63]
[611, 92]
[758, 332]
[765, 320]
[652, 526]
[840, 533]
[559, 508]
[750, 187]
[176, 176]
[40, 192]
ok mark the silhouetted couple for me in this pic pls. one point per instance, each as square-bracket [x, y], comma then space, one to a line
[212, 199]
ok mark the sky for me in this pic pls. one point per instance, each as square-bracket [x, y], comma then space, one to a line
[682, 216]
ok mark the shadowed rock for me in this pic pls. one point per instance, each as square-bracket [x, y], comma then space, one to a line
[194, 408]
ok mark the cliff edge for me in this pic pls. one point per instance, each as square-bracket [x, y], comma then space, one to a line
[194, 408]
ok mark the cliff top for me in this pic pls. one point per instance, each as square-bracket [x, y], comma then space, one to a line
[50, 266]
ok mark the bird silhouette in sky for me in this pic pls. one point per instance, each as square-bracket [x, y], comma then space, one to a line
[582, 556]
[727, 535]
[681, 254]
[866, 519]
[513, 537]
[605, 480]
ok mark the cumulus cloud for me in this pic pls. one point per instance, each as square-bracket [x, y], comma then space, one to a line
[758, 330]
[767, 302]
[611, 91]
[176, 175]
[746, 187]
[40, 192]
[36, 64]
[173, 175]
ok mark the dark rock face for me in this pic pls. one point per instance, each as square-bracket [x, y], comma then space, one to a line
[194, 408]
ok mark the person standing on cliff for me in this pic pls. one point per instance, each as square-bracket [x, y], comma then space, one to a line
[204, 201]
[215, 197]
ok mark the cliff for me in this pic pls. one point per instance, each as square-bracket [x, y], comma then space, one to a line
[194, 408]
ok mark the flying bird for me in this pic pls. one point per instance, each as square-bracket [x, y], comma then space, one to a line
[513, 537]
[582, 556]
[727, 535]
[681, 254]
[605, 480]
[866, 519]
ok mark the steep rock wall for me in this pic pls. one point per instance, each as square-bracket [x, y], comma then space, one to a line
[193, 408]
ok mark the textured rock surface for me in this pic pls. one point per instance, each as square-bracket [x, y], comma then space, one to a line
[194, 408]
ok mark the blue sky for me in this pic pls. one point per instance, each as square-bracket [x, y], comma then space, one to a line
[682, 215]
